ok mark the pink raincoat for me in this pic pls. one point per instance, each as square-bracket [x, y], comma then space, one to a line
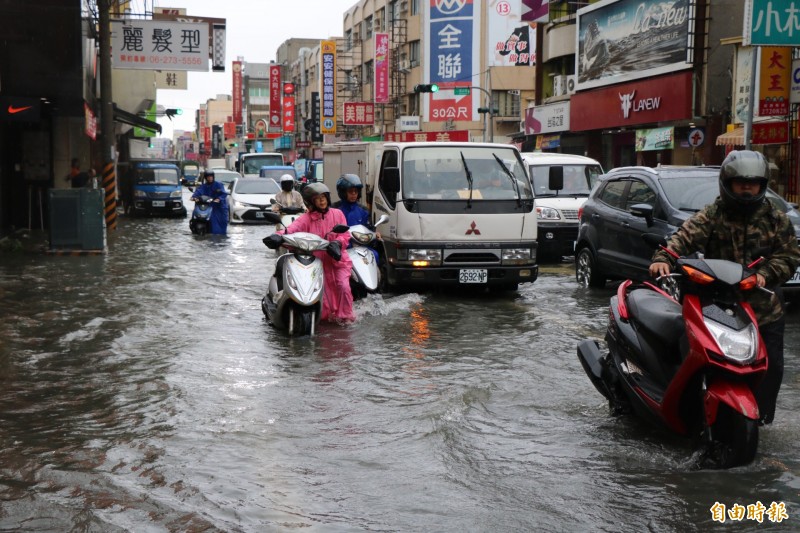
[337, 300]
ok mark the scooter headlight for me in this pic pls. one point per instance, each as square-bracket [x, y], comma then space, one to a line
[290, 280]
[740, 346]
[361, 238]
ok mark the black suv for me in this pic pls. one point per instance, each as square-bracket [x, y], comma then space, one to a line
[630, 201]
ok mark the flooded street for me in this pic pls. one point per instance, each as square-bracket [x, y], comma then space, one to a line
[144, 391]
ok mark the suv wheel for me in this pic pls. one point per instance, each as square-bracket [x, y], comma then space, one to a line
[586, 272]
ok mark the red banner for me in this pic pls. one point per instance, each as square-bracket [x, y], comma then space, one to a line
[237, 92]
[229, 129]
[90, 122]
[770, 133]
[207, 139]
[274, 98]
[427, 136]
[288, 114]
[358, 114]
[381, 68]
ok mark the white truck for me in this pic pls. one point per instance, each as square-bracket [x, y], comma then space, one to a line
[561, 184]
[359, 158]
[460, 214]
[250, 163]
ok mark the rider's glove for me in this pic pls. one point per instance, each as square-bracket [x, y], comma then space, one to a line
[335, 250]
[273, 242]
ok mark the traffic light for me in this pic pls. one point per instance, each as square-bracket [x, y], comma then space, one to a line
[234, 145]
[171, 112]
[492, 111]
[426, 88]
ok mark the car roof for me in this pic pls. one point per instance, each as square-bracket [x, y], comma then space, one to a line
[546, 158]
[666, 170]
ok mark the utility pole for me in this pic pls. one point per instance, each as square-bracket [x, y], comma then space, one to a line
[109, 177]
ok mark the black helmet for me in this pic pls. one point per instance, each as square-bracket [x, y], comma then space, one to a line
[313, 190]
[208, 172]
[743, 165]
[348, 181]
[287, 182]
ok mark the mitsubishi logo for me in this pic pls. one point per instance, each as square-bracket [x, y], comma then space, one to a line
[627, 103]
[473, 229]
[448, 7]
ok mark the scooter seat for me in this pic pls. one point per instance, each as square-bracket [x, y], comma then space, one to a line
[660, 316]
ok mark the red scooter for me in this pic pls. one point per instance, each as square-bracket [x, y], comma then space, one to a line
[692, 366]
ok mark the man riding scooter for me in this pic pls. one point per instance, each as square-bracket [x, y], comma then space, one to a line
[215, 190]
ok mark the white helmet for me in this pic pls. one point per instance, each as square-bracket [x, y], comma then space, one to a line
[287, 182]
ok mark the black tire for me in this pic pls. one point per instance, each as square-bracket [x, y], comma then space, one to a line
[587, 274]
[734, 440]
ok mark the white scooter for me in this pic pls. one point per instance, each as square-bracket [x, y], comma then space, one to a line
[294, 297]
[286, 216]
[365, 277]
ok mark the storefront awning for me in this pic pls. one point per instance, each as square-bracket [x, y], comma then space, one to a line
[734, 137]
[120, 115]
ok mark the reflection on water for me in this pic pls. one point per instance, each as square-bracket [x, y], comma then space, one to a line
[144, 390]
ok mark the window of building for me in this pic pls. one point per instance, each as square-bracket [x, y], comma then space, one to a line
[366, 72]
[507, 105]
[414, 7]
[348, 40]
[380, 24]
[367, 28]
[414, 53]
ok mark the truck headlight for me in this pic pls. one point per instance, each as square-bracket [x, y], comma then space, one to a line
[175, 194]
[138, 193]
[517, 256]
[547, 213]
[425, 256]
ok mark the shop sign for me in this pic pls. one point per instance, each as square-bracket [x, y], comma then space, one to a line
[274, 98]
[770, 133]
[159, 45]
[770, 22]
[655, 139]
[548, 142]
[775, 70]
[661, 99]
[427, 136]
[408, 123]
[358, 114]
[547, 118]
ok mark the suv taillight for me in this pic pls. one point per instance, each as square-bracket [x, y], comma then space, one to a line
[580, 213]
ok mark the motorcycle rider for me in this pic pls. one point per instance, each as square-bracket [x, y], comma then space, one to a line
[219, 203]
[337, 300]
[741, 226]
[349, 188]
[288, 197]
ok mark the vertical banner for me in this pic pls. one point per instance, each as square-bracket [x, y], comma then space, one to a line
[328, 92]
[274, 98]
[207, 139]
[773, 87]
[452, 54]
[218, 47]
[381, 68]
[316, 136]
[511, 41]
[288, 114]
[237, 92]
[746, 58]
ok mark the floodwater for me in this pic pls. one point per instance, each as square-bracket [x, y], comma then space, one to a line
[144, 391]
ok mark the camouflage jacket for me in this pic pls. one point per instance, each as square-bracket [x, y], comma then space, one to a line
[721, 234]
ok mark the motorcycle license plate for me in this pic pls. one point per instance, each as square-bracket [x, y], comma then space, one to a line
[473, 275]
[158, 203]
[795, 280]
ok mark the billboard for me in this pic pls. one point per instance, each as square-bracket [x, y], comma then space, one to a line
[327, 97]
[771, 23]
[624, 40]
[381, 68]
[237, 92]
[452, 32]
[511, 41]
[358, 114]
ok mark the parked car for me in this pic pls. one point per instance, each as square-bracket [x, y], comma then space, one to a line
[614, 218]
[250, 200]
[152, 187]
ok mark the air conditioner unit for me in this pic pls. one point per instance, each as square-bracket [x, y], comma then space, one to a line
[571, 81]
[404, 65]
[356, 37]
[404, 6]
[559, 85]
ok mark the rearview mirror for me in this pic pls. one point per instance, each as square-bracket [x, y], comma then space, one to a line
[390, 182]
[643, 210]
[555, 177]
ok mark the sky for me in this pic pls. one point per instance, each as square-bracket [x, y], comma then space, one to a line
[254, 30]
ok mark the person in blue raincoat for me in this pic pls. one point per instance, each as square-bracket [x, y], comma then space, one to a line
[216, 190]
[349, 188]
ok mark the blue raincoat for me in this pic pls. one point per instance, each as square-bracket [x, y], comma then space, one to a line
[219, 213]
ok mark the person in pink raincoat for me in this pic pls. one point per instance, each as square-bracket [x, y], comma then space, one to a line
[337, 300]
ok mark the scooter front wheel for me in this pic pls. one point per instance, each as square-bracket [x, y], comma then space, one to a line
[734, 439]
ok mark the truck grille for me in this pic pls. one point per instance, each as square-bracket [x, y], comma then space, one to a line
[458, 257]
[570, 214]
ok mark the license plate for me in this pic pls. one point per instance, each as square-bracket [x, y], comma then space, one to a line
[795, 280]
[259, 214]
[473, 275]
[158, 203]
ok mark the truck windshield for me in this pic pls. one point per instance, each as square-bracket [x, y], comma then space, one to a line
[578, 180]
[157, 176]
[253, 163]
[438, 173]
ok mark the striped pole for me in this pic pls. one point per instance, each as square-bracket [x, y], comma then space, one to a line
[110, 188]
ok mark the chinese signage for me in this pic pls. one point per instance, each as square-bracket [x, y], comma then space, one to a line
[288, 113]
[661, 99]
[159, 45]
[171, 79]
[327, 97]
[773, 87]
[655, 139]
[381, 68]
[745, 58]
[623, 40]
[408, 123]
[547, 118]
[452, 55]
[512, 42]
[427, 136]
[770, 133]
[237, 92]
[274, 98]
[90, 126]
[771, 22]
[359, 114]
